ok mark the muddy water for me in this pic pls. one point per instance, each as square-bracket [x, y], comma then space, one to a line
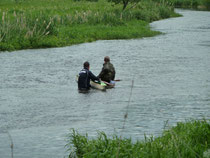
[39, 101]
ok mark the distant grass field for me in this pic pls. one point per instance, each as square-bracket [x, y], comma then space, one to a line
[55, 23]
[186, 140]
[194, 4]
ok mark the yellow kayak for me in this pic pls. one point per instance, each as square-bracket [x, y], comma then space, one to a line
[96, 85]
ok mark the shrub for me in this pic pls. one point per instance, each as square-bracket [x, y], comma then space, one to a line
[25, 25]
[190, 139]
[207, 4]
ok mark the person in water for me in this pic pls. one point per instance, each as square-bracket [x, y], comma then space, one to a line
[108, 71]
[85, 76]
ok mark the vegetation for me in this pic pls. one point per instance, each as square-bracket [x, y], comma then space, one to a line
[194, 4]
[187, 140]
[54, 23]
[125, 2]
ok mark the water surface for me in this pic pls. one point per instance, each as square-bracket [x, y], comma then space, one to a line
[39, 101]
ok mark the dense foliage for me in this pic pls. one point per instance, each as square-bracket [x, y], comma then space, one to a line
[195, 4]
[186, 140]
[53, 23]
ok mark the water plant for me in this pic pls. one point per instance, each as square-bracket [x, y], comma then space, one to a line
[186, 140]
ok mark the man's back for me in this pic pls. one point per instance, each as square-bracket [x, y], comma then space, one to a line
[108, 72]
[83, 80]
[85, 76]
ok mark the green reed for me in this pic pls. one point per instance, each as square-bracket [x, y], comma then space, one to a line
[194, 4]
[44, 23]
[186, 140]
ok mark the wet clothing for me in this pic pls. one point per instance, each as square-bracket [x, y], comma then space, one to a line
[108, 72]
[84, 79]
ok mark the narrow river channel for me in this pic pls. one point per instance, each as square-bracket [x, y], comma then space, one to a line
[39, 101]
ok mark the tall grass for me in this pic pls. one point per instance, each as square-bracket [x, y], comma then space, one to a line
[195, 4]
[44, 23]
[23, 30]
[186, 140]
[206, 3]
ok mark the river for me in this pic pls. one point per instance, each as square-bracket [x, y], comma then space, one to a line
[39, 101]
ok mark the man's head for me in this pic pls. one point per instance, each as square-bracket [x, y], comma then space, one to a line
[86, 65]
[106, 59]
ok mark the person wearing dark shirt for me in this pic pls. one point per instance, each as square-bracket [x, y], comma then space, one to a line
[108, 71]
[85, 76]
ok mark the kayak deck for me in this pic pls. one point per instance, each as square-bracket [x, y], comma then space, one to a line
[101, 86]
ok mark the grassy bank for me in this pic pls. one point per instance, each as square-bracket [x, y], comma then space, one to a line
[185, 140]
[193, 4]
[54, 23]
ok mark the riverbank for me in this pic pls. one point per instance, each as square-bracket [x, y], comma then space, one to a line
[39, 99]
[190, 4]
[189, 139]
[43, 24]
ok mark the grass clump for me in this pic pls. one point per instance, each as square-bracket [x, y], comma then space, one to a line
[54, 23]
[187, 140]
[193, 4]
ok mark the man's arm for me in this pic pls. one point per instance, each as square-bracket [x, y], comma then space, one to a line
[93, 77]
[101, 73]
[113, 72]
[104, 71]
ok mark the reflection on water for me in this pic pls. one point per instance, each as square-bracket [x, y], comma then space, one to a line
[39, 101]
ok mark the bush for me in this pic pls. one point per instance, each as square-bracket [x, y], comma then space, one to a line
[190, 139]
[207, 4]
[34, 24]
[6, 46]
